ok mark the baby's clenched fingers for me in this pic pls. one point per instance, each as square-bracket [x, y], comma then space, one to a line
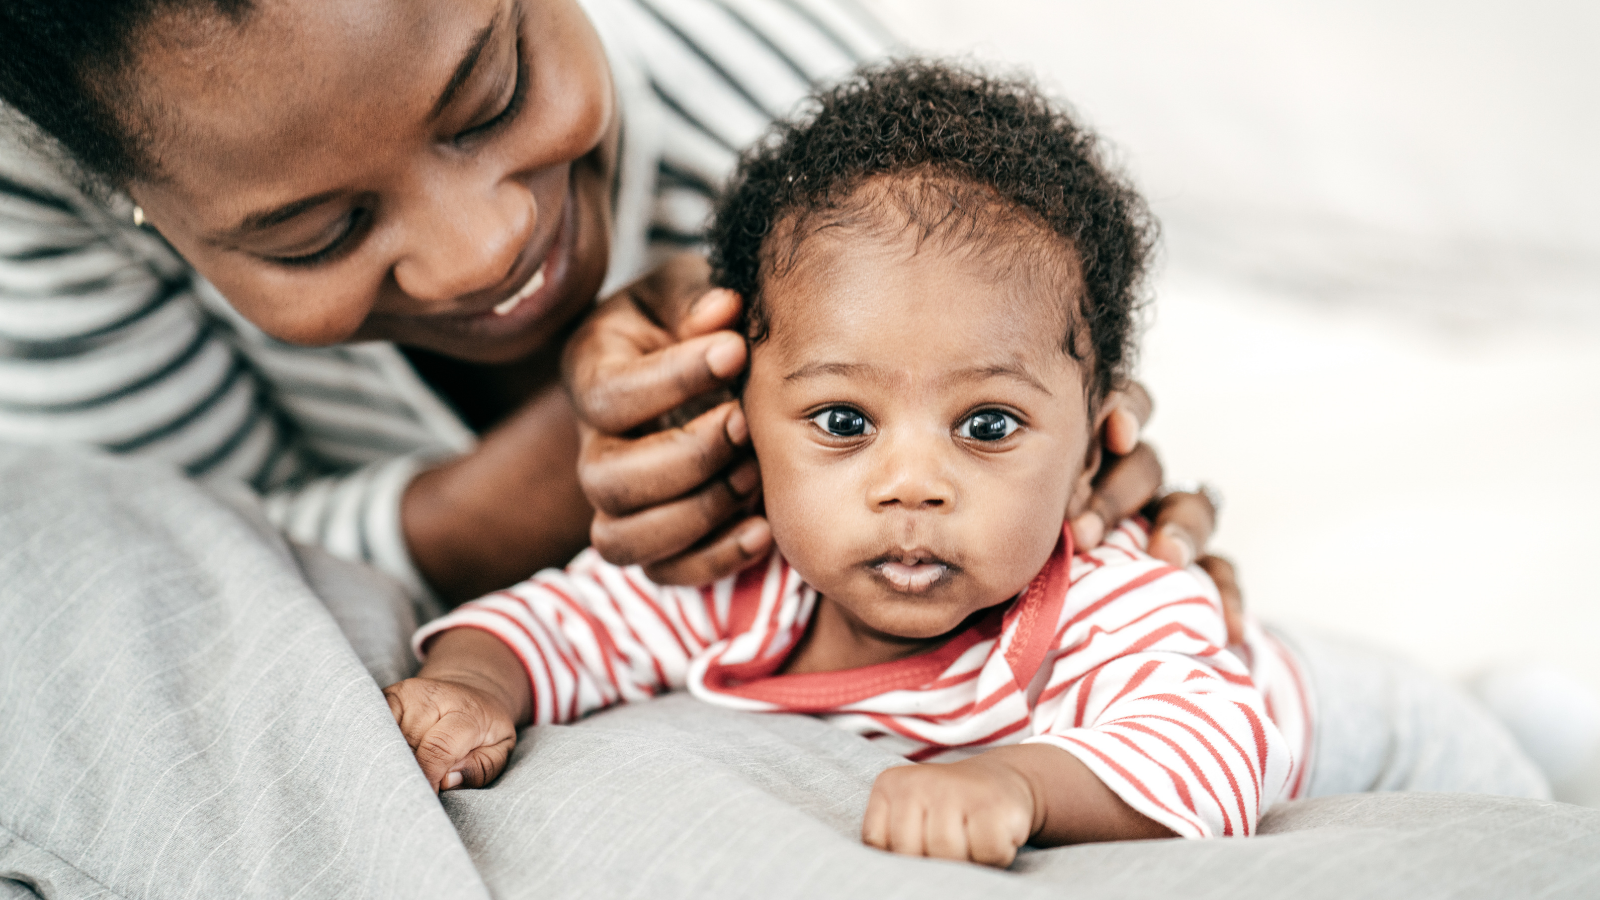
[483, 765]
[875, 824]
[446, 746]
[993, 840]
[945, 833]
[413, 708]
[908, 822]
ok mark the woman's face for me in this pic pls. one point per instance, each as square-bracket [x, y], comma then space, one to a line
[435, 173]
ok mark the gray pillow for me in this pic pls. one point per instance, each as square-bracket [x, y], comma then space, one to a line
[675, 798]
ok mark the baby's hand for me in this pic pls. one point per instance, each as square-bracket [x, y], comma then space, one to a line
[980, 809]
[462, 734]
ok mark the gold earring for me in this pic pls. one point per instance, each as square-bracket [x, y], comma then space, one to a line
[138, 216]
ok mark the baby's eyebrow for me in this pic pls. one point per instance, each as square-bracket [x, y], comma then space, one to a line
[818, 369]
[1009, 371]
[1004, 370]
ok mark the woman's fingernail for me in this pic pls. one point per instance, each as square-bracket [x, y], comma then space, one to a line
[738, 427]
[1185, 546]
[745, 479]
[1088, 530]
[725, 356]
[712, 296]
[452, 780]
[754, 537]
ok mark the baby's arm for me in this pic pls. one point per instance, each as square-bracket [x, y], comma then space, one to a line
[460, 714]
[552, 649]
[983, 808]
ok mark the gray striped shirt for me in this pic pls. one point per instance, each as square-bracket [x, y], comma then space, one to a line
[108, 338]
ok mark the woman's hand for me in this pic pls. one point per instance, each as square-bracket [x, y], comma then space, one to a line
[676, 500]
[1130, 481]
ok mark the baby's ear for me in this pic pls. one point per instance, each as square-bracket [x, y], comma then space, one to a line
[1093, 455]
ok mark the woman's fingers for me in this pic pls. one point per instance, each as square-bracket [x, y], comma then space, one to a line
[620, 476]
[1130, 410]
[1221, 572]
[1127, 484]
[617, 384]
[1183, 525]
[666, 529]
[723, 554]
[652, 346]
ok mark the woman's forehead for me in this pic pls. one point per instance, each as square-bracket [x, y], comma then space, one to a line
[295, 83]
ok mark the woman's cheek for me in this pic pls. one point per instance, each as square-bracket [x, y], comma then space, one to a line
[309, 311]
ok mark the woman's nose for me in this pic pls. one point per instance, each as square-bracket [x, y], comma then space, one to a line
[912, 475]
[462, 240]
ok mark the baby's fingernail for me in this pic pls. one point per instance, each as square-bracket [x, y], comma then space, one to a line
[1088, 530]
[754, 537]
[725, 356]
[745, 479]
[738, 427]
[452, 780]
[1185, 546]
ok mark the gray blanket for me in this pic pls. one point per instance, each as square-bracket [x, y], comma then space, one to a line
[190, 708]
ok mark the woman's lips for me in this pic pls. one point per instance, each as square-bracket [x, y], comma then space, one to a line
[504, 307]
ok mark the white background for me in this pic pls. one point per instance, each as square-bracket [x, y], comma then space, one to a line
[1377, 317]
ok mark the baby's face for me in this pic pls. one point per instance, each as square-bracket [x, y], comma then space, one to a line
[920, 429]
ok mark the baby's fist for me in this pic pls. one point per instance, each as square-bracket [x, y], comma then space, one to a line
[978, 809]
[461, 733]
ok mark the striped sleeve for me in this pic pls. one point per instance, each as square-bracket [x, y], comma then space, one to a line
[1144, 693]
[108, 339]
[595, 634]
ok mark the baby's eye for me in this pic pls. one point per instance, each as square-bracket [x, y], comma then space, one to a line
[842, 421]
[988, 425]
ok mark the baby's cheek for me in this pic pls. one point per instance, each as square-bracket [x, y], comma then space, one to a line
[1020, 540]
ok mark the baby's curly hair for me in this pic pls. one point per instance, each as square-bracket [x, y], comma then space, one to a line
[973, 151]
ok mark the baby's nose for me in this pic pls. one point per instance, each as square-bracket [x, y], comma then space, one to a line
[912, 478]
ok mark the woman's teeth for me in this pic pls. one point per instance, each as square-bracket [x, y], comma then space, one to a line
[505, 307]
[912, 578]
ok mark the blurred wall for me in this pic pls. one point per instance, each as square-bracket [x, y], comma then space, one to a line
[1377, 317]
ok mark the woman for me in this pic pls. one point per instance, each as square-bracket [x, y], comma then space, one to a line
[335, 251]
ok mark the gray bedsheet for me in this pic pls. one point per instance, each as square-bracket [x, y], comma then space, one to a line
[183, 714]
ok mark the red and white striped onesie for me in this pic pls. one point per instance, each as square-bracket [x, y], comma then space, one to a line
[1111, 655]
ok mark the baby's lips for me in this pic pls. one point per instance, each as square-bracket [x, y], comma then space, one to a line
[912, 578]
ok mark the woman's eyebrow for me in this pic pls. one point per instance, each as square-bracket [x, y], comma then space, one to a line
[469, 62]
[264, 219]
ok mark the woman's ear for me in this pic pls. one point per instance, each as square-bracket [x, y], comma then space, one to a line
[1083, 487]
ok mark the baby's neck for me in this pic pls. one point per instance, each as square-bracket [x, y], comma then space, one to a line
[836, 641]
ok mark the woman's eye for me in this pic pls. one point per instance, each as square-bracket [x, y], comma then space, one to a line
[988, 425]
[842, 421]
[519, 93]
[346, 231]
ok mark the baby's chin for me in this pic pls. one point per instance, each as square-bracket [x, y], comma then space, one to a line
[923, 616]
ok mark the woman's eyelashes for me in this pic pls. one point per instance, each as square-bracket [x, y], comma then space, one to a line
[988, 425]
[350, 225]
[512, 107]
[843, 421]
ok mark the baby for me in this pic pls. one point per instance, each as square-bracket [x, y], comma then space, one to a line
[942, 280]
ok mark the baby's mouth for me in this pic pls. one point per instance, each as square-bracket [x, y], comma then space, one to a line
[912, 574]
